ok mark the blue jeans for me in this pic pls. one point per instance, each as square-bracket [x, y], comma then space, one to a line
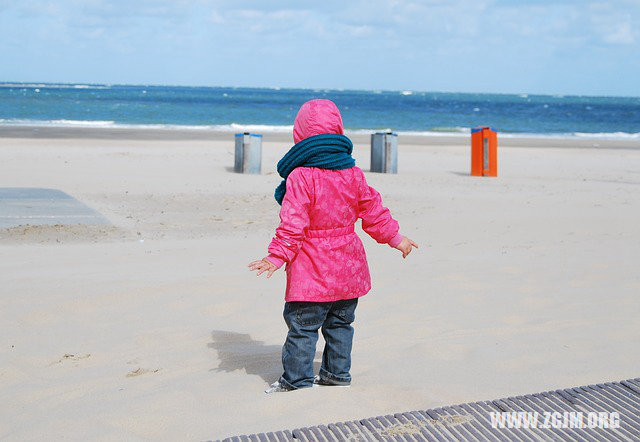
[304, 319]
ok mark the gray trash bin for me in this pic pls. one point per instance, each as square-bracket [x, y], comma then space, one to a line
[248, 158]
[384, 152]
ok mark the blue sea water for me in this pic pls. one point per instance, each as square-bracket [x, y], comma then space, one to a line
[229, 108]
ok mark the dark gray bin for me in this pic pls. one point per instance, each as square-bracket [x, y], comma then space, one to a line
[384, 152]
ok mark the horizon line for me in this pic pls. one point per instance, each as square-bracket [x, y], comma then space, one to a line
[411, 91]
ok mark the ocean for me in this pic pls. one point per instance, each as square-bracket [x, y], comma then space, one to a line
[273, 110]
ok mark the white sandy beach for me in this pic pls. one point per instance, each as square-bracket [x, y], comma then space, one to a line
[154, 329]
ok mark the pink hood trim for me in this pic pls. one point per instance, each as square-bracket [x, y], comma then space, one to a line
[317, 117]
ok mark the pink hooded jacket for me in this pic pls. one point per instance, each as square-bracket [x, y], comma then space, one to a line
[325, 258]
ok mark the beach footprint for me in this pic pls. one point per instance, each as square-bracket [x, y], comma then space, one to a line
[71, 357]
[140, 371]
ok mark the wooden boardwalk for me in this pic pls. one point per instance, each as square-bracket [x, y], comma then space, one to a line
[473, 421]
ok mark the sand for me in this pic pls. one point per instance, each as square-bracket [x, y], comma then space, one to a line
[154, 329]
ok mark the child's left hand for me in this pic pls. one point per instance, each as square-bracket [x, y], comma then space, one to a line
[264, 265]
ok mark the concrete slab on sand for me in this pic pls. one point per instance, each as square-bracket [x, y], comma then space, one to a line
[39, 206]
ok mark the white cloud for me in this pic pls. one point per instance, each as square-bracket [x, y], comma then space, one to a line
[614, 25]
[360, 31]
[216, 18]
[622, 35]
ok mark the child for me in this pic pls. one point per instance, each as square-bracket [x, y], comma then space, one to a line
[322, 196]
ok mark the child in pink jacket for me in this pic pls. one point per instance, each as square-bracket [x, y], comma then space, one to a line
[324, 195]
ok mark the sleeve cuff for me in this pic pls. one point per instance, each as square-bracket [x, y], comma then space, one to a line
[273, 259]
[396, 240]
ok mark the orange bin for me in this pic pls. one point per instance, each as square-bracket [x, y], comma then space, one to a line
[484, 151]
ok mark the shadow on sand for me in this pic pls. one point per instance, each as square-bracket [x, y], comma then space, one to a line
[459, 173]
[238, 351]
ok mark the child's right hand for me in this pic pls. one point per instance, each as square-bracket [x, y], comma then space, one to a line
[405, 246]
[263, 265]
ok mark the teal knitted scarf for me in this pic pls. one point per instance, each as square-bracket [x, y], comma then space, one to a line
[326, 151]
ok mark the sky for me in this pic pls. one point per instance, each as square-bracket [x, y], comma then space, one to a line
[519, 46]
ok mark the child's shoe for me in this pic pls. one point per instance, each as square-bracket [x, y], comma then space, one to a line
[318, 381]
[277, 387]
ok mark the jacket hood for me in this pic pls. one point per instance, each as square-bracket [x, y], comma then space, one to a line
[317, 117]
